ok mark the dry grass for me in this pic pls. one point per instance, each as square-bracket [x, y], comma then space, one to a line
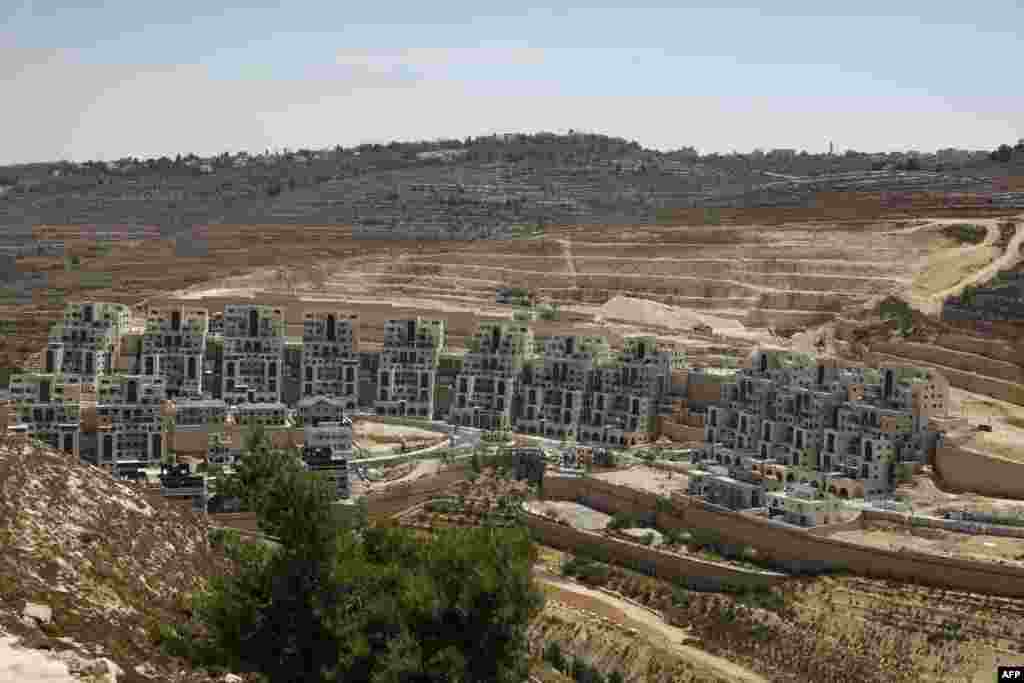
[949, 266]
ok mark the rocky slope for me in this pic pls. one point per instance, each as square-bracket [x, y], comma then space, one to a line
[90, 568]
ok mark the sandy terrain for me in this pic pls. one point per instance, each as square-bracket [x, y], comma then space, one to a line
[647, 479]
[575, 514]
[938, 542]
[378, 438]
[926, 499]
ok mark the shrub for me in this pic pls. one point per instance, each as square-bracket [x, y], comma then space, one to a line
[553, 656]
[965, 233]
[648, 538]
[622, 521]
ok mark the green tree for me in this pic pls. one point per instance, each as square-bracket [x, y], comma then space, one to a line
[374, 604]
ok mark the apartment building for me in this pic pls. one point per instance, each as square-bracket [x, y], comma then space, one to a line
[407, 368]
[86, 342]
[328, 449]
[265, 414]
[124, 389]
[491, 371]
[253, 353]
[628, 394]
[330, 356]
[199, 413]
[556, 388]
[313, 410]
[841, 431]
[174, 347]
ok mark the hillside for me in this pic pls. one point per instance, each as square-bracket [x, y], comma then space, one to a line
[483, 187]
[91, 567]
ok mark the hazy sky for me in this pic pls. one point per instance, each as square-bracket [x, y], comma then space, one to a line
[84, 80]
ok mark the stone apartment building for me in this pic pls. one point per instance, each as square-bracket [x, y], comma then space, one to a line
[86, 342]
[407, 370]
[841, 431]
[313, 410]
[265, 414]
[491, 371]
[199, 413]
[556, 388]
[629, 394]
[130, 420]
[253, 353]
[327, 449]
[39, 403]
[330, 356]
[174, 347]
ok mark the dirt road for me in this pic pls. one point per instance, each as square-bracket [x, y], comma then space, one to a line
[644, 621]
[1006, 260]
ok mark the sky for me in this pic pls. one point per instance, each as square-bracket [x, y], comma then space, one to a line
[104, 80]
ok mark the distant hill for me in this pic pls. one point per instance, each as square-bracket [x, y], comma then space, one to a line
[495, 186]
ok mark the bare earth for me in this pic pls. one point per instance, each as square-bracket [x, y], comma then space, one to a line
[647, 479]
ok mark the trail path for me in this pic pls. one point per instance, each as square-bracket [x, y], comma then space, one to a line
[649, 624]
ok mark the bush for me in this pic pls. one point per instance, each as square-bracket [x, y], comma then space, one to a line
[553, 656]
[647, 539]
[622, 521]
[966, 233]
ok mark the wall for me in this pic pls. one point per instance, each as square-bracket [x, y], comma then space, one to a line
[976, 384]
[988, 475]
[954, 358]
[938, 523]
[694, 573]
[679, 432]
[792, 548]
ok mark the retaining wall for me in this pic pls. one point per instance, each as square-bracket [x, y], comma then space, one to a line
[939, 523]
[976, 384]
[697, 574]
[789, 547]
[968, 361]
[988, 475]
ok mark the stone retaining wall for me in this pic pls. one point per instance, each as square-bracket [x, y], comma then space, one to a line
[792, 548]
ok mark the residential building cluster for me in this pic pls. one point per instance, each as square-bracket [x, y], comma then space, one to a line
[794, 436]
[125, 399]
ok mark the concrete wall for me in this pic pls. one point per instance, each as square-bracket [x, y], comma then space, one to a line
[988, 475]
[694, 573]
[792, 548]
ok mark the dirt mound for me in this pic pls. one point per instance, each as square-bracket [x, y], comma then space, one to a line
[645, 312]
[103, 562]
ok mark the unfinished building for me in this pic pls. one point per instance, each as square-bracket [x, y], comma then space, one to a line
[253, 353]
[330, 356]
[87, 341]
[491, 371]
[174, 347]
[408, 367]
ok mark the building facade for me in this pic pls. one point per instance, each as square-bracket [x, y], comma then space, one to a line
[407, 373]
[253, 354]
